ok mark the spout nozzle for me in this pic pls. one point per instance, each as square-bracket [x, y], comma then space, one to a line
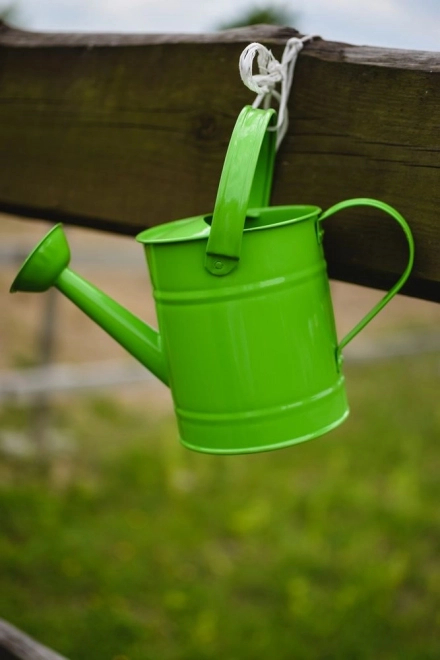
[45, 263]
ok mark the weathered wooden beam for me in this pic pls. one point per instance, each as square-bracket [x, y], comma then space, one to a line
[121, 132]
[16, 645]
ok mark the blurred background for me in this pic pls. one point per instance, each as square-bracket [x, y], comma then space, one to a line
[118, 544]
[390, 23]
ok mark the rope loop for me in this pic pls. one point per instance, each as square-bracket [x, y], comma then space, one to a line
[272, 72]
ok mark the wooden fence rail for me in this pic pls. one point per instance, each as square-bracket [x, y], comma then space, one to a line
[121, 132]
[17, 645]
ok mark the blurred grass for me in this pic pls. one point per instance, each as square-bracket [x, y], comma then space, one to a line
[134, 548]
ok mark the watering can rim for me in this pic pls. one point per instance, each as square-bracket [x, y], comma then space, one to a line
[198, 228]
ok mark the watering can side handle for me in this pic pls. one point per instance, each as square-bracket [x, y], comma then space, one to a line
[400, 282]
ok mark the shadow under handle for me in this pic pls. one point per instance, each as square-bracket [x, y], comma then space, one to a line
[401, 281]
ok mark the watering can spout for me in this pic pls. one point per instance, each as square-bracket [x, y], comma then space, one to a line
[47, 266]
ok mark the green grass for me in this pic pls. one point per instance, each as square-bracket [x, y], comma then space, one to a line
[135, 548]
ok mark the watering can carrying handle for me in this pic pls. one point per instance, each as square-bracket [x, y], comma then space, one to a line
[401, 281]
[245, 182]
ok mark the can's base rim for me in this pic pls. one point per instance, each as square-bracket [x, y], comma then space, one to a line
[269, 447]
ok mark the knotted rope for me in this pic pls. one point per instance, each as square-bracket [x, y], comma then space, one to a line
[270, 73]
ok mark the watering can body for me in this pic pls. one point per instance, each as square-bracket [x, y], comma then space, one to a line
[246, 336]
[251, 358]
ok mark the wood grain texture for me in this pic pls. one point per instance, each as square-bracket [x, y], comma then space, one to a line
[121, 132]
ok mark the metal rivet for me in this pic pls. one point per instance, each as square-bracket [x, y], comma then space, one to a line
[218, 265]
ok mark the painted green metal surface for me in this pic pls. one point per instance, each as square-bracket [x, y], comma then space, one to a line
[247, 339]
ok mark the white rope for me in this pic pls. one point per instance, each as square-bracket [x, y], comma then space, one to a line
[270, 73]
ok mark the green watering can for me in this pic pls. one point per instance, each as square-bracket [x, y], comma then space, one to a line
[247, 340]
